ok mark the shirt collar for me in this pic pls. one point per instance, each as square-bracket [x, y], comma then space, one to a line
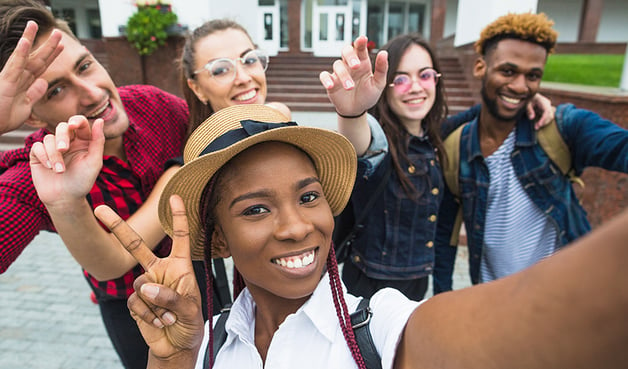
[319, 310]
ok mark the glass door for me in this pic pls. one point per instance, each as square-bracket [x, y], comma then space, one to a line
[269, 26]
[331, 29]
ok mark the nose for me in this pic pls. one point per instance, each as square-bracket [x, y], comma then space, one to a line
[519, 84]
[292, 224]
[242, 74]
[89, 93]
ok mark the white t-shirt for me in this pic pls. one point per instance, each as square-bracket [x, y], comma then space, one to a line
[311, 337]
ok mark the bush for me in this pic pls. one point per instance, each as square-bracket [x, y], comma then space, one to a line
[146, 29]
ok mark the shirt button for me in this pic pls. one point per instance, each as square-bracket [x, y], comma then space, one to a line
[411, 169]
[435, 191]
[432, 218]
[429, 244]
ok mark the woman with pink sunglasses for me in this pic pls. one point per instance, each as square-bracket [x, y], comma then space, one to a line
[392, 116]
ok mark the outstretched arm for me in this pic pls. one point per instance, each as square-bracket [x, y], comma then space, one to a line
[167, 303]
[20, 85]
[543, 317]
[353, 88]
[64, 168]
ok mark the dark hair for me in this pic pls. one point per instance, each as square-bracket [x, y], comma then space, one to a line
[209, 200]
[200, 111]
[15, 14]
[397, 135]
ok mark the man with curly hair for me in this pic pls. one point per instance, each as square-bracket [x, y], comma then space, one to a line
[517, 205]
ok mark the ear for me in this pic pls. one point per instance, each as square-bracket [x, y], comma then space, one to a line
[35, 122]
[198, 91]
[479, 68]
[219, 246]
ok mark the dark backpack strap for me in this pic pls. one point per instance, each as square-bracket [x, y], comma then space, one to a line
[221, 283]
[220, 334]
[360, 320]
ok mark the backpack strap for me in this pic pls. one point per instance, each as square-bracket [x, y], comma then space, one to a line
[220, 334]
[360, 320]
[451, 172]
[554, 145]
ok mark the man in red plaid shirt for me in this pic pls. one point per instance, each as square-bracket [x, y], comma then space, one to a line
[47, 77]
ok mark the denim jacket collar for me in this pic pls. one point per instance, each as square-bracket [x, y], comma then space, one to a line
[525, 137]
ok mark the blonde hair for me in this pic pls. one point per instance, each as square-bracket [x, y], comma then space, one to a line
[535, 28]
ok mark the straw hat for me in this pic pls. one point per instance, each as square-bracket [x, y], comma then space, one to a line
[230, 131]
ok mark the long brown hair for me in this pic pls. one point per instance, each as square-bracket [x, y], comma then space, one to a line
[200, 111]
[398, 137]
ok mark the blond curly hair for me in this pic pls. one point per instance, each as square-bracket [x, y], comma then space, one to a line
[535, 28]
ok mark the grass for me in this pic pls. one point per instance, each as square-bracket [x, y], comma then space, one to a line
[585, 69]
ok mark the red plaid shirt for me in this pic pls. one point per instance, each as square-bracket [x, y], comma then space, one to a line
[158, 122]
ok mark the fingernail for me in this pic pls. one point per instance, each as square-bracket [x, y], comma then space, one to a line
[157, 323]
[168, 318]
[349, 84]
[328, 84]
[61, 145]
[150, 290]
[59, 167]
[48, 164]
[353, 62]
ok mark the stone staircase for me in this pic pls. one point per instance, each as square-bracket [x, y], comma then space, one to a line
[293, 80]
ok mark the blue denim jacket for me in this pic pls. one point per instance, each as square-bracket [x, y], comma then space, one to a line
[592, 141]
[397, 242]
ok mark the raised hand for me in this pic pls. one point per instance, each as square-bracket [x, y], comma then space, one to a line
[353, 87]
[20, 85]
[166, 303]
[64, 166]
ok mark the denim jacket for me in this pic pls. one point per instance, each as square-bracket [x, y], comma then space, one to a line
[592, 141]
[397, 242]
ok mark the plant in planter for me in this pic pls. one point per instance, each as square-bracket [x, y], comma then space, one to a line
[146, 28]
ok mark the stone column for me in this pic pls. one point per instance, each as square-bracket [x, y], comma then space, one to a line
[590, 20]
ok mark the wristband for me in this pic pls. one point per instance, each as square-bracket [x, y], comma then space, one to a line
[350, 116]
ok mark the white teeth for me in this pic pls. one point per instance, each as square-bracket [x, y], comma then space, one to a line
[99, 111]
[511, 100]
[247, 96]
[295, 263]
[416, 101]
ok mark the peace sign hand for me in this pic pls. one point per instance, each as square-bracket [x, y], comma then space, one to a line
[166, 303]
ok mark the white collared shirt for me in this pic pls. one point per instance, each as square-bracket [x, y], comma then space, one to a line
[311, 337]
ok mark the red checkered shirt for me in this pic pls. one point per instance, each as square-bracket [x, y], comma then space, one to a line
[158, 122]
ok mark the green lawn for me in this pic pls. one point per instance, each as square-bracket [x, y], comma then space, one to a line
[585, 69]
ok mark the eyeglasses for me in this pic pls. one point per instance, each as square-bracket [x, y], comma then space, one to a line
[428, 77]
[224, 69]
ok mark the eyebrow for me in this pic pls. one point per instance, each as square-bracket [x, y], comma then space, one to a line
[222, 57]
[267, 193]
[76, 65]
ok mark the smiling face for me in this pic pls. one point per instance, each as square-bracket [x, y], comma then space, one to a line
[79, 85]
[413, 105]
[248, 86]
[273, 219]
[511, 74]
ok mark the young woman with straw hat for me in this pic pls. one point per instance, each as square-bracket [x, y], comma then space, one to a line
[264, 191]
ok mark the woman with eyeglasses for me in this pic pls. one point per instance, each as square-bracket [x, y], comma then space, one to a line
[220, 67]
[393, 116]
[397, 142]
